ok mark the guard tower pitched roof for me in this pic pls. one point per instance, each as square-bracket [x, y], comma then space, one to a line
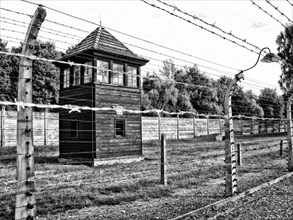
[101, 40]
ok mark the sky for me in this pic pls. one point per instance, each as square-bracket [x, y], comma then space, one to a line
[135, 18]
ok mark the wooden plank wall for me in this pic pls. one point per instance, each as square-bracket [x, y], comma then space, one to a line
[150, 127]
[83, 145]
[200, 126]
[52, 120]
[188, 127]
[168, 127]
[107, 144]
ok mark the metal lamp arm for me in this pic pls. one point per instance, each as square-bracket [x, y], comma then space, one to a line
[257, 58]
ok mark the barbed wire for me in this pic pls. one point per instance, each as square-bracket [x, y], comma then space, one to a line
[43, 37]
[209, 24]
[260, 8]
[199, 26]
[289, 2]
[147, 41]
[277, 9]
[95, 67]
[16, 12]
[252, 79]
[141, 172]
[16, 31]
[57, 32]
[180, 59]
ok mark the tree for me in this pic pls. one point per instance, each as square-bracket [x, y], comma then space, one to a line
[8, 74]
[45, 74]
[285, 48]
[202, 94]
[271, 103]
[169, 69]
[243, 102]
[221, 85]
[161, 92]
[4, 73]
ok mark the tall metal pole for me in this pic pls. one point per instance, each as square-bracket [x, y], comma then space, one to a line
[25, 207]
[289, 133]
[2, 126]
[230, 154]
[230, 158]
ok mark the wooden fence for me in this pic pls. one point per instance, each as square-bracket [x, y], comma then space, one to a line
[46, 127]
[45, 124]
[180, 128]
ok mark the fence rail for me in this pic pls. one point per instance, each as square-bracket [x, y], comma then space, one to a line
[46, 127]
[180, 128]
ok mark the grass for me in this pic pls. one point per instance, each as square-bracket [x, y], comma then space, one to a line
[133, 191]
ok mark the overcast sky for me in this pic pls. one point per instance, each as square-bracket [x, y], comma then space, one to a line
[138, 19]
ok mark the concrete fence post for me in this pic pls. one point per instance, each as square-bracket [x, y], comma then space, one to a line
[193, 123]
[239, 155]
[289, 133]
[208, 126]
[241, 125]
[159, 126]
[163, 160]
[45, 126]
[281, 148]
[178, 127]
[2, 126]
[25, 201]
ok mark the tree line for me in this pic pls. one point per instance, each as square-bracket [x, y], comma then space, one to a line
[188, 89]
[172, 89]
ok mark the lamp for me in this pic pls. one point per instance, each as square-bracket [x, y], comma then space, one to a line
[230, 156]
[268, 58]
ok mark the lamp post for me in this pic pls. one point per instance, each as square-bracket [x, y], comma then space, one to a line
[230, 154]
[289, 134]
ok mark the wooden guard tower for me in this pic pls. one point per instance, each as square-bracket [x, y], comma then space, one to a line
[101, 136]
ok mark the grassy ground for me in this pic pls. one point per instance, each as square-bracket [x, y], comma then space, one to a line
[132, 191]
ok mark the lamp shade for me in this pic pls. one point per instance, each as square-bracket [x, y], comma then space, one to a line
[270, 58]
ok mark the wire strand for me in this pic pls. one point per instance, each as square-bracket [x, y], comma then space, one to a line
[260, 8]
[199, 26]
[277, 9]
[209, 24]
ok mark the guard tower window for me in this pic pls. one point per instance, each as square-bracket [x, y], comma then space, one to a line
[119, 128]
[66, 75]
[132, 76]
[102, 71]
[76, 75]
[117, 74]
[74, 129]
[88, 72]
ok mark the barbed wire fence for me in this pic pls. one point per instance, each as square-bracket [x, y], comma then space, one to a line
[182, 161]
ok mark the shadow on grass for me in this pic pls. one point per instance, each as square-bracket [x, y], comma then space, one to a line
[43, 155]
[83, 196]
[46, 159]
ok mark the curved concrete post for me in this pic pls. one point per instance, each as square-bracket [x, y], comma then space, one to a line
[230, 155]
[289, 134]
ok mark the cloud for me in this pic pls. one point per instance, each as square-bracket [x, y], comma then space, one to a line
[258, 24]
[157, 15]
